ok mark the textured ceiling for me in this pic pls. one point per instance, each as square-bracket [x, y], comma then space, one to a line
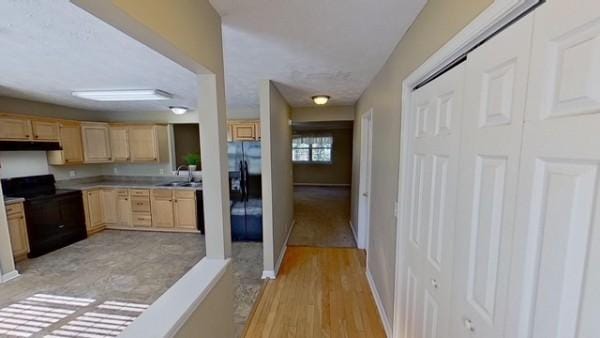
[52, 47]
[309, 47]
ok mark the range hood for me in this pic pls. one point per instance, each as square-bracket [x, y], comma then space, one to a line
[28, 145]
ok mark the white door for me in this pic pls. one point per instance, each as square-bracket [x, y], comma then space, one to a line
[557, 259]
[364, 204]
[495, 93]
[437, 110]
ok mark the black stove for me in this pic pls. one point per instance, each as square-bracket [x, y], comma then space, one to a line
[55, 217]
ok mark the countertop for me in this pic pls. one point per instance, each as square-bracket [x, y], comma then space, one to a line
[123, 185]
[13, 200]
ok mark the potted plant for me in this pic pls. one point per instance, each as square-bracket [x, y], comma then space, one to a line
[192, 161]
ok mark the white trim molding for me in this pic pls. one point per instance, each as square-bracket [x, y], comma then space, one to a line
[333, 185]
[380, 309]
[353, 232]
[493, 18]
[272, 274]
[9, 276]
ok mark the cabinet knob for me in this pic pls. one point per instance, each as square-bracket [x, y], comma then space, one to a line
[35, 136]
[26, 135]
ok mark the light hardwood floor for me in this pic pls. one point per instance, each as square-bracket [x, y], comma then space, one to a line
[319, 292]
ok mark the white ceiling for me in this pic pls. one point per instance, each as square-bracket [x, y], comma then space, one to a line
[50, 48]
[308, 47]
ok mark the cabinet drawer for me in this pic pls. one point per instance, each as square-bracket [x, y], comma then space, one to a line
[183, 194]
[141, 219]
[122, 193]
[162, 193]
[139, 192]
[16, 208]
[140, 204]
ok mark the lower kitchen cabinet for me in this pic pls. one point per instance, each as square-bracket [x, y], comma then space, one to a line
[92, 206]
[141, 209]
[17, 228]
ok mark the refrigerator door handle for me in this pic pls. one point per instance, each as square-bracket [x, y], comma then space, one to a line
[247, 179]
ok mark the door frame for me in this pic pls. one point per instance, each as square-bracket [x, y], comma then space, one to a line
[493, 18]
[364, 183]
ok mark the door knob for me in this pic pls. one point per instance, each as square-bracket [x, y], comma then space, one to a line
[365, 194]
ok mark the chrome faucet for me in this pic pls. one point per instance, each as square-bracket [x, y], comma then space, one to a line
[190, 176]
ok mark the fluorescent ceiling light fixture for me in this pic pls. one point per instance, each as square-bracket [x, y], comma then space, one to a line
[320, 99]
[178, 110]
[124, 95]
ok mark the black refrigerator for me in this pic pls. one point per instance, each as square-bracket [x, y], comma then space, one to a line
[245, 190]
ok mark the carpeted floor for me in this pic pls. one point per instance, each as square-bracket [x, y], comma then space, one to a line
[322, 217]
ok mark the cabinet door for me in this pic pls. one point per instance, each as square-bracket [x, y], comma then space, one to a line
[96, 142]
[109, 206]
[143, 144]
[243, 131]
[18, 235]
[45, 130]
[94, 208]
[162, 212]
[257, 130]
[119, 142]
[185, 213]
[15, 129]
[123, 209]
[70, 138]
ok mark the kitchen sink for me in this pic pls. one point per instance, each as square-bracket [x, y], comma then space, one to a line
[192, 185]
[172, 184]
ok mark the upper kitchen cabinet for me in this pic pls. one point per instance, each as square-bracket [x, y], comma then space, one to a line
[96, 142]
[70, 141]
[243, 130]
[148, 143]
[119, 143]
[45, 130]
[13, 128]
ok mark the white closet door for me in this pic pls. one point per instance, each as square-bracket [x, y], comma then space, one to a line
[495, 92]
[557, 260]
[436, 136]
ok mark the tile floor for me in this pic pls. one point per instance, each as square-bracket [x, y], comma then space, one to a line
[97, 286]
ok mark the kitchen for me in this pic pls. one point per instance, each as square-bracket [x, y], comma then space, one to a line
[103, 211]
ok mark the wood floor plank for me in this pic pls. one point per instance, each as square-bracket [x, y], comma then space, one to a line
[320, 292]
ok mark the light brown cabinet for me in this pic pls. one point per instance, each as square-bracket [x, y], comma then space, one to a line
[45, 130]
[148, 143]
[162, 208]
[123, 208]
[96, 142]
[185, 209]
[243, 130]
[70, 140]
[17, 228]
[92, 204]
[109, 206]
[15, 129]
[119, 143]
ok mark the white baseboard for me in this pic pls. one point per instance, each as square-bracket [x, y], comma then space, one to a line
[320, 185]
[8, 276]
[272, 274]
[384, 319]
[354, 234]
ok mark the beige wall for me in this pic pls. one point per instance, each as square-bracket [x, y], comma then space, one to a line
[323, 113]
[438, 22]
[339, 171]
[277, 176]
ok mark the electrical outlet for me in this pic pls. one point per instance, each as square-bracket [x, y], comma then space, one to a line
[72, 173]
[162, 171]
[115, 170]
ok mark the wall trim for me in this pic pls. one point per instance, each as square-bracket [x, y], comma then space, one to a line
[380, 309]
[321, 185]
[272, 274]
[9, 276]
[496, 16]
[353, 232]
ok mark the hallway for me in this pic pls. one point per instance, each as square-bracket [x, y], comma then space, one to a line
[319, 292]
[322, 217]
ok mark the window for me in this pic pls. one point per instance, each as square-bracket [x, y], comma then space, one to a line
[312, 149]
